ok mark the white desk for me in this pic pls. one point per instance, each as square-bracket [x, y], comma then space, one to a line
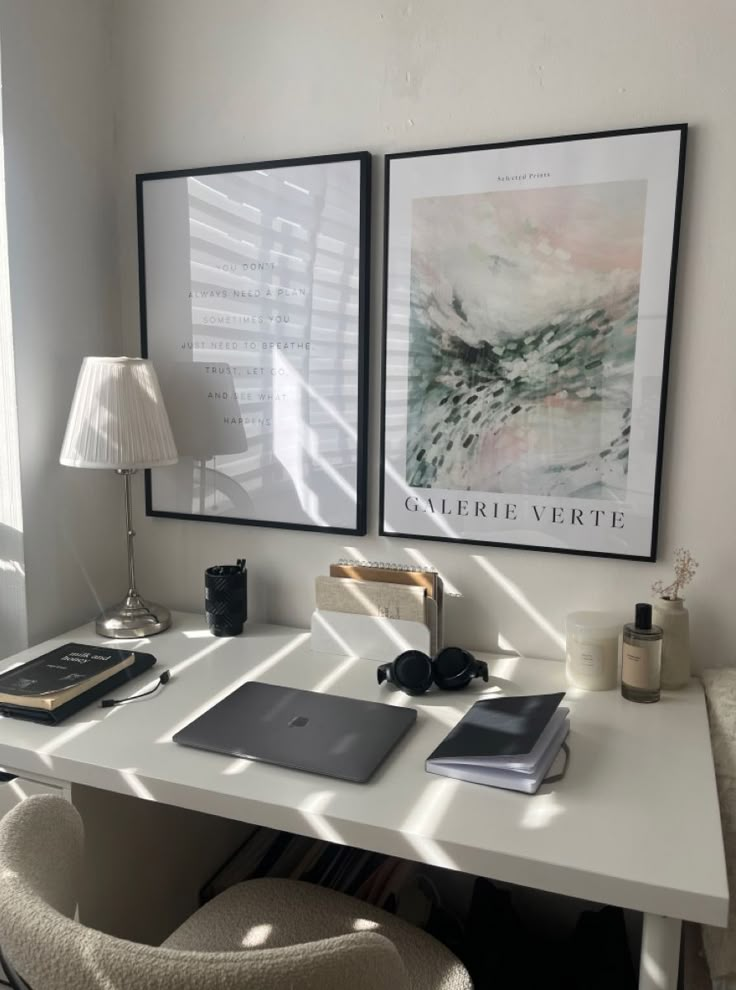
[634, 823]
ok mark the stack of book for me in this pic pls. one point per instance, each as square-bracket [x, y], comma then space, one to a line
[57, 684]
[512, 742]
[377, 610]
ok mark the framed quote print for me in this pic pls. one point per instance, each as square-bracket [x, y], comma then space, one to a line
[254, 309]
[528, 307]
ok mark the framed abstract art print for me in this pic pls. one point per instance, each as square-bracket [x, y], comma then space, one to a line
[254, 309]
[527, 315]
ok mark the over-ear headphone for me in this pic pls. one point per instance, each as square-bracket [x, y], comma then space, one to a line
[414, 672]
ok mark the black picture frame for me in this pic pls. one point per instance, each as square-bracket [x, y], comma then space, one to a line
[616, 195]
[213, 229]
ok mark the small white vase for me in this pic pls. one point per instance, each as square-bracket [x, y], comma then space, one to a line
[672, 616]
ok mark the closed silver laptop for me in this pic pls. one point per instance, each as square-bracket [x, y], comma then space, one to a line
[302, 730]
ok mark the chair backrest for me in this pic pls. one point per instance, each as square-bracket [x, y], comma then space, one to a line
[41, 859]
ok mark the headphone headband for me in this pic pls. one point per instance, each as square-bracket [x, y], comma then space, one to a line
[414, 672]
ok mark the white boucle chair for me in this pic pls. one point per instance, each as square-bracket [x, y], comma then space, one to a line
[258, 935]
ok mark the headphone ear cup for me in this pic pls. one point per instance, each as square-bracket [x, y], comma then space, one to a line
[453, 668]
[412, 672]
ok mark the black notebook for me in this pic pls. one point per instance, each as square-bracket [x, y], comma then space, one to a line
[57, 684]
[504, 742]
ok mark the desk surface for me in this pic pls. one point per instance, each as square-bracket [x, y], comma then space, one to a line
[635, 822]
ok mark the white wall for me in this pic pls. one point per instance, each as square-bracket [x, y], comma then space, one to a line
[58, 138]
[227, 81]
[13, 616]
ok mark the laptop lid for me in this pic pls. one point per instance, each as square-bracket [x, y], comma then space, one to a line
[303, 730]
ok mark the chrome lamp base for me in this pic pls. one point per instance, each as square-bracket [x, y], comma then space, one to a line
[133, 618]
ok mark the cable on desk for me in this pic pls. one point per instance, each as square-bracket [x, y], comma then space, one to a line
[163, 679]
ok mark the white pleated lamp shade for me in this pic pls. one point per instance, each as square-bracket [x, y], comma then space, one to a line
[118, 419]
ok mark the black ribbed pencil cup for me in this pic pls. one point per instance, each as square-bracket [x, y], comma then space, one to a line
[226, 598]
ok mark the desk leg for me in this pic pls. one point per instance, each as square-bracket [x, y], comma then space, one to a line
[660, 953]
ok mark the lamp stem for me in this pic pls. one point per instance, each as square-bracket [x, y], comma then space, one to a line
[126, 473]
[134, 617]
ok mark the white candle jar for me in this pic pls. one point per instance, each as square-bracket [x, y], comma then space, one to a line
[592, 650]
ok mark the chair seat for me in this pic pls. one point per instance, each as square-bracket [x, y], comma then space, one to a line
[273, 913]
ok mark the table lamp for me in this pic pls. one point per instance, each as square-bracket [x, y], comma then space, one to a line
[118, 421]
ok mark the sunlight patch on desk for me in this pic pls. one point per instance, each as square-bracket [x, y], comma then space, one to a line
[137, 787]
[53, 744]
[236, 766]
[424, 818]
[342, 644]
[197, 633]
[430, 808]
[299, 639]
[504, 667]
[334, 676]
[313, 812]
[183, 664]
[399, 699]
[427, 850]
[448, 716]
[573, 693]
[488, 692]
[257, 935]
[541, 810]
[517, 595]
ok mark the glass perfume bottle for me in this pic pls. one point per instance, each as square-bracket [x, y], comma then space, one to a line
[641, 657]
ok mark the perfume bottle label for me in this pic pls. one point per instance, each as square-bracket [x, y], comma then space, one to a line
[641, 666]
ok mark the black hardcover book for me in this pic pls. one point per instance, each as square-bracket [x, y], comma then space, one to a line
[54, 686]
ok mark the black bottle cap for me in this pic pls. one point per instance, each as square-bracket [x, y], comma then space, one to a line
[643, 616]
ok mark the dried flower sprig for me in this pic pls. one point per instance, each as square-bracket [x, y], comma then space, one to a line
[685, 568]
